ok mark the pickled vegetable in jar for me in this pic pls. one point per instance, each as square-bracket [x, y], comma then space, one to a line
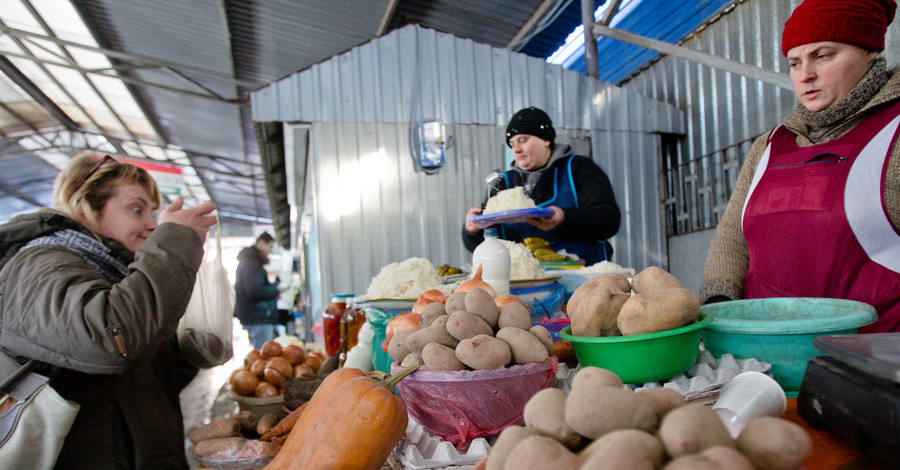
[351, 322]
[331, 322]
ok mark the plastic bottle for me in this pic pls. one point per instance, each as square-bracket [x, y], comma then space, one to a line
[494, 260]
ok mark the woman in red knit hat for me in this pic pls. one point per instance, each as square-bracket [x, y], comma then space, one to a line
[815, 211]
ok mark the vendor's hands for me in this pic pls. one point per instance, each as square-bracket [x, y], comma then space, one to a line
[472, 212]
[197, 217]
[549, 223]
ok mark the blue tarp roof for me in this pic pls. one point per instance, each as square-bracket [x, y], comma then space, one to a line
[665, 20]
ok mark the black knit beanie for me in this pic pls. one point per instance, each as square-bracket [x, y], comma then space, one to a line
[531, 121]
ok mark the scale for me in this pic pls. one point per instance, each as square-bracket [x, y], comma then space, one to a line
[854, 392]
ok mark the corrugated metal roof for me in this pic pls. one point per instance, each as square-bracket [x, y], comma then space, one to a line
[190, 65]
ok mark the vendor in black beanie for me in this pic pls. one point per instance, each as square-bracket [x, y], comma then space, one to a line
[578, 191]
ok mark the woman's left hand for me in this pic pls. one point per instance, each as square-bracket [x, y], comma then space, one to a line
[549, 223]
[198, 217]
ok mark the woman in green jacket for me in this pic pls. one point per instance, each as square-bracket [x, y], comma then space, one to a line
[94, 288]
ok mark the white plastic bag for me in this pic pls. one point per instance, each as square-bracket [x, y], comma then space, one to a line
[204, 332]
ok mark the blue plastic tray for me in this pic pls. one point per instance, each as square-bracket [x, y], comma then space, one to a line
[515, 216]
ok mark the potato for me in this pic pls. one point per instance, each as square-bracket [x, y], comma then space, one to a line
[480, 302]
[617, 281]
[525, 347]
[593, 377]
[543, 335]
[436, 356]
[658, 310]
[410, 359]
[663, 400]
[774, 443]
[624, 448]
[430, 312]
[653, 278]
[509, 438]
[514, 315]
[593, 412]
[464, 325]
[397, 348]
[540, 453]
[455, 302]
[484, 352]
[545, 413]
[596, 314]
[692, 428]
[436, 333]
[713, 458]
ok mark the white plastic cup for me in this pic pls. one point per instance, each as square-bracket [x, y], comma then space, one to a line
[747, 396]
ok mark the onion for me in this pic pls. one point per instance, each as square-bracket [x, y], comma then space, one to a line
[476, 281]
[399, 323]
[251, 357]
[293, 353]
[258, 367]
[303, 371]
[277, 369]
[428, 297]
[313, 362]
[265, 389]
[508, 299]
[244, 382]
[271, 349]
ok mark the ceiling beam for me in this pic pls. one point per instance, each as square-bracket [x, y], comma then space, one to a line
[529, 25]
[732, 66]
[138, 60]
[36, 94]
[386, 18]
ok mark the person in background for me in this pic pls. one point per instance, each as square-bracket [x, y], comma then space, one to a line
[815, 211]
[256, 298]
[94, 288]
[585, 212]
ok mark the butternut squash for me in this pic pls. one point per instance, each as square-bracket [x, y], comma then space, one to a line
[298, 435]
[357, 427]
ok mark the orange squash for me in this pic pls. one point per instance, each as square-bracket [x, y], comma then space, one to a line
[298, 436]
[358, 426]
[399, 323]
[476, 281]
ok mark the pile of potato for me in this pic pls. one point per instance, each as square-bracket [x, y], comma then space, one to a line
[601, 424]
[605, 306]
[265, 370]
[470, 331]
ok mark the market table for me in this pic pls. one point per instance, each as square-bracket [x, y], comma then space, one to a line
[829, 452]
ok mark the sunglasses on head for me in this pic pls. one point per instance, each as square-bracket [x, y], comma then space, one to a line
[100, 162]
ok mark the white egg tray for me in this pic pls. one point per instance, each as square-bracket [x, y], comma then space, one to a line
[420, 450]
[702, 381]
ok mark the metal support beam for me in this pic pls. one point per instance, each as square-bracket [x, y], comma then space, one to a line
[386, 19]
[36, 94]
[611, 11]
[591, 64]
[704, 58]
[529, 25]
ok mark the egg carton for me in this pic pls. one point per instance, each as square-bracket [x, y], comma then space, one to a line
[420, 450]
[701, 382]
[708, 375]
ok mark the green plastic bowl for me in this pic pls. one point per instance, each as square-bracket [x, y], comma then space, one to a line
[780, 331]
[641, 358]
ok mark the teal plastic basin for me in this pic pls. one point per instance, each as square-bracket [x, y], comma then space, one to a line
[643, 358]
[780, 331]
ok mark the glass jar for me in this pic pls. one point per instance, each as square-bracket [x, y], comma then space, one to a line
[351, 322]
[331, 322]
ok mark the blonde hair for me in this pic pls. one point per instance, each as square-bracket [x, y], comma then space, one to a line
[90, 179]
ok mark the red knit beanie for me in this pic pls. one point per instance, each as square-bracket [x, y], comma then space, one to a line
[861, 23]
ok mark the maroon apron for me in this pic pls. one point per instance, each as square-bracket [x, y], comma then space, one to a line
[816, 224]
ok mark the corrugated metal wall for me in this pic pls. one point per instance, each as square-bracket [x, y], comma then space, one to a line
[372, 208]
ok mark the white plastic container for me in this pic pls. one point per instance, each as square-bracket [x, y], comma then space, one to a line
[494, 260]
[747, 396]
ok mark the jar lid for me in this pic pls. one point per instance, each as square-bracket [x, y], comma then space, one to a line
[490, 232]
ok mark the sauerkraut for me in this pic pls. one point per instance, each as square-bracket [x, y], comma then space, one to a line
[523, 264]
[601, 267]
[406, 280]
[508, 200]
